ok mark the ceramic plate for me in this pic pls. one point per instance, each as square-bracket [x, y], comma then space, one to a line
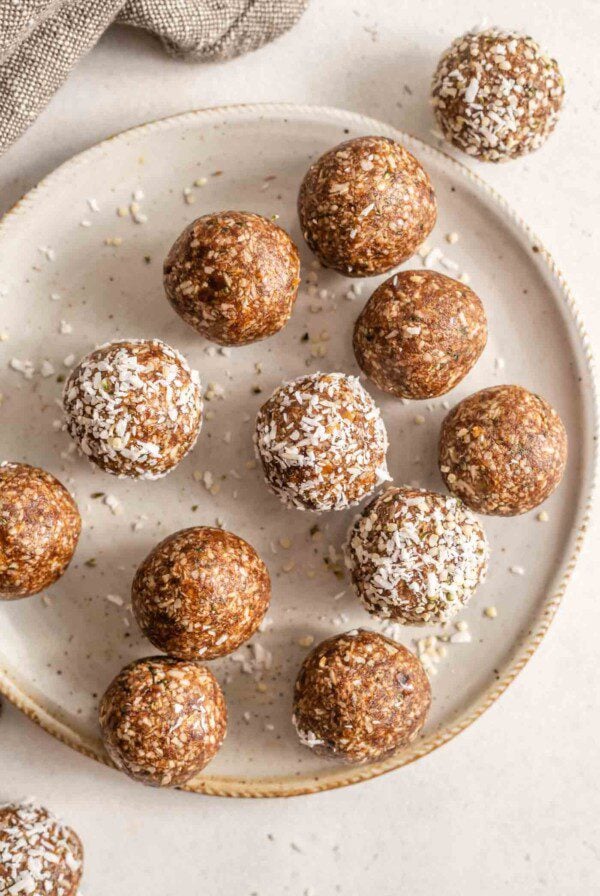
[79, 265]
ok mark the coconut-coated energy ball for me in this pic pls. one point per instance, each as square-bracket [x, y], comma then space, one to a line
[322, 442]
[496, 95]
[365, 206]
[360, 696]
[233, 276]
[503, 450]
[163, 720]
[419, 334]
[39, 530]
[416, 556]
[134, 407]
[38, 854]
[201, 593]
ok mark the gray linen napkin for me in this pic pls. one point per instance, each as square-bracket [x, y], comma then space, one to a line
[41, 40]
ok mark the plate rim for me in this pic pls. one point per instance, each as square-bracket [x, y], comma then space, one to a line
[522, 650]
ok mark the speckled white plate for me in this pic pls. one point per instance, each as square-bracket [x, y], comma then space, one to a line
[65, 288]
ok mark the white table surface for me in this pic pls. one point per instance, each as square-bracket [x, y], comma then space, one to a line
[511, 805]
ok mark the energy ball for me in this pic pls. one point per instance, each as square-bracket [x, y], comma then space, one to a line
[416, 556]
[38, 854]
[419, 334]
[201, 593]
[322, 442]
[503, 450]
[39, 530]
[365, 206]
[360, 696]
[233, 276]
[163, 720]
[496, 95]
[134, 407]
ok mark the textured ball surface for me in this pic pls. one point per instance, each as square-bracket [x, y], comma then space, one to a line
[233, 276]
[365, 206]
[39, 530]
[201, 593]
[503, 450]
[360, 696]
[496, 95]
[134, 407]
[38, 854]
[416, 556]
[322, 442]
[419, 334]
[163, 720]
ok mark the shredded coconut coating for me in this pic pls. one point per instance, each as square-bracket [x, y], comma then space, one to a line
[360, 696]
[365, 206]
[416, 556]
[496, 95]
[39, 530]
[134, 407]
[163, 720]
[39, 855]
[503, 450]
[201, 593]
[322, 442]
[419, 334]
[233, 276]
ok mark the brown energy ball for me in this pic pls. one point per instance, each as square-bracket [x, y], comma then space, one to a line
[503, 450]
[38, 854]
[322, 442]
[360, 696]
[201, 593]
[365, 206]
[163, 720]
[419, 334]
[233, 276]
[496, 95]
[134, 407]
[416, 556]
[39, 530]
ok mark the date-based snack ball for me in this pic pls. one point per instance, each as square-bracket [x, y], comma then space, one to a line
[503, 450]
[416, 556]
[163, 720]
[201, 593]
[39, 530]
[233, 276]
[496, 95]
[134, 407]
[38, 854]
[419, 334]
[322, 442]
[360, 696]
[365, 206]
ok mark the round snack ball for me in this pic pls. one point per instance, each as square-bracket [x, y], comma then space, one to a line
[496, 95]
[233, 276]
[416, 556]
[163, 720]
[419, 334]
[39, 530]
[503, 450]
[134, 407]
[201, 593]
[365, 206]
[38, 854]
[322, 442]
[360, 696]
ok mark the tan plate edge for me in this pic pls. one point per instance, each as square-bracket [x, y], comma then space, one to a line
[284, 786]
